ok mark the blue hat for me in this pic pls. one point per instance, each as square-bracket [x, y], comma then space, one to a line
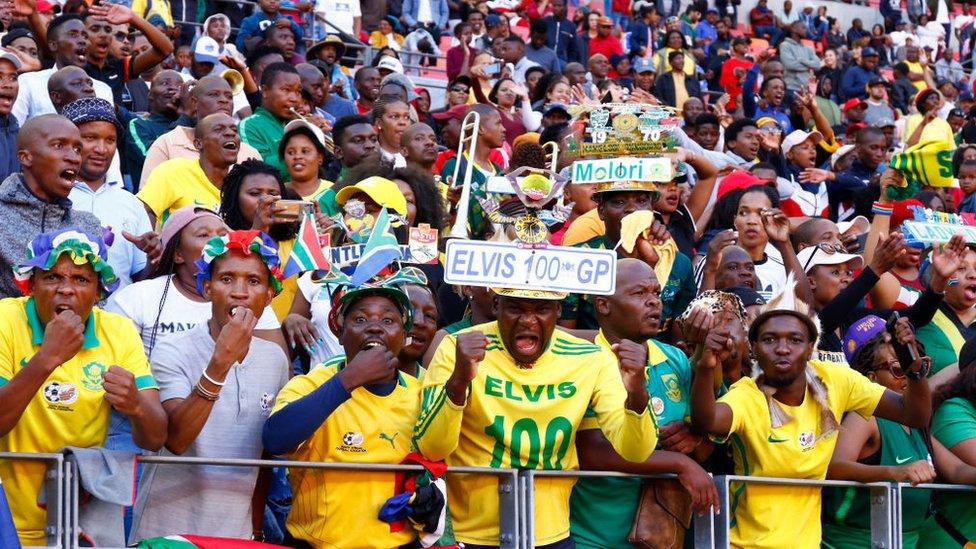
[90, 109]
[643, 64]
[860, 333]
[869, 52]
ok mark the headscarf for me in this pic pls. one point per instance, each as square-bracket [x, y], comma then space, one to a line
[246, 242]
[388, 285]
[82, 247]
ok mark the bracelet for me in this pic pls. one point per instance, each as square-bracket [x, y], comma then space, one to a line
[212, 380]
[205, 394]
[922, 372]
[879, 208]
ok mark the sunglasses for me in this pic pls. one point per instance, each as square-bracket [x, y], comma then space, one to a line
[829, 249]
[892, 366]
[459, 89]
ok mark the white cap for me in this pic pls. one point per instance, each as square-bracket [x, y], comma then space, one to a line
[799, 136]
[206, 50]
[858, 225]
[813, 256]
[840, 153]
[299, 123]
[7, 56]
[390, 64]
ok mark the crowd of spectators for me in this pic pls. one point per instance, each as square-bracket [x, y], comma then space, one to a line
[776, 319]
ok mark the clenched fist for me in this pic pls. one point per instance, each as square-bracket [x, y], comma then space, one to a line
[632, 360]
[470, 351]
[120, 390]
[63, 337]
[373, 365]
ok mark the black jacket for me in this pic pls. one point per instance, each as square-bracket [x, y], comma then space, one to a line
[664, 88]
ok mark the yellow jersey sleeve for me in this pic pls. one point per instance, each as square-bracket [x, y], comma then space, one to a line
[855, 393]
[632, 435]
[157, 193]
[439, 423]
[300, 386]
[8, 368]
[742, 402]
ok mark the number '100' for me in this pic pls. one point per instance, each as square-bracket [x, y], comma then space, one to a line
[524, 430]
[545, 267]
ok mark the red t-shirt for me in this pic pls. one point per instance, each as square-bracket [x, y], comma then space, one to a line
[608, 46]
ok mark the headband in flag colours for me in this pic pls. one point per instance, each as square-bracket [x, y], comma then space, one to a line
[82, 247]
[928, 163]
[246, 242]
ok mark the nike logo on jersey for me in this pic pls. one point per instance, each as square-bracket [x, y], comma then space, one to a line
[771, 439]
[899, 461]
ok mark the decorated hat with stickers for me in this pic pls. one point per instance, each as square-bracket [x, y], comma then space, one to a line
[81, 247]
[386, 284]
[247, 243]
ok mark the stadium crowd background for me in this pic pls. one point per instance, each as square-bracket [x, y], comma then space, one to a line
[144, 149]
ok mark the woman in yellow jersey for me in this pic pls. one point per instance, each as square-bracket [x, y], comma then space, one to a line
[303, 152]
[356, 408]
[784, 423]
[247, 201]
[925, 125]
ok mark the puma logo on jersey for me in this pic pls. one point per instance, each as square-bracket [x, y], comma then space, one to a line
[390, 439]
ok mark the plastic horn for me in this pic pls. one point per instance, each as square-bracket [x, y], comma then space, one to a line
[469, 131]
[329, 144]
[552, 155]
[235, 80]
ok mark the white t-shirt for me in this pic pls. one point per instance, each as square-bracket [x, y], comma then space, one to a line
[424, 13]
[770, 273]
[140, 303]
[318, 296]
[341, 13]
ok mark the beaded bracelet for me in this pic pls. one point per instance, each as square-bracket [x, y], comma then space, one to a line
[882, 209]
[205, 394]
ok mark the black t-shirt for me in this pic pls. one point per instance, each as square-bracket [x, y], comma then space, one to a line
[115, 74]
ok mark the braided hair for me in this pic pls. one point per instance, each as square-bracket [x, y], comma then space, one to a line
[230, 192]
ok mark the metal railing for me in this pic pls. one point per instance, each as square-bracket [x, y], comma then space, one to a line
[516, 496]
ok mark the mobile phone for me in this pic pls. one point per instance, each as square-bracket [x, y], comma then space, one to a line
[290, 210]
[905, 354]
[493, 68]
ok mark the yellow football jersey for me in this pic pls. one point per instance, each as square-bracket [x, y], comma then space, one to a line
[787, 516]
[524, 418]
[69, 409]
[339, 508]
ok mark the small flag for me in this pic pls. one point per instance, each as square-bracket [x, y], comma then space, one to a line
[307, 254]
[928, 163]
[380, 250]
[8, 532]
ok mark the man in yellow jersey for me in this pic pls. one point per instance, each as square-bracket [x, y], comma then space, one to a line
[357, 407]
[63, 364]
[602, 509]
[784, 423]
[182, 182]
[512, 393]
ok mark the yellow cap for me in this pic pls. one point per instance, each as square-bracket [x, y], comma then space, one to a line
[524, 293]
[383, 191]
[619, 186]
